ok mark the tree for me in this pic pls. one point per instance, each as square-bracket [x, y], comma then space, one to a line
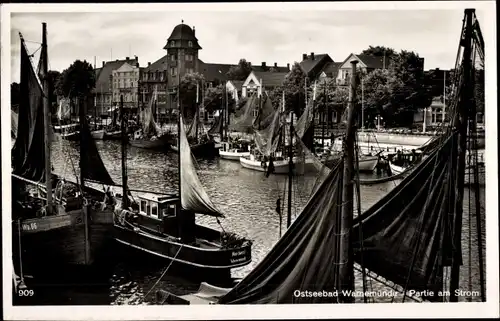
[294, 88]
[189, 83]
[214, 99]
[15, 96]
[77, 81]
[240, 71]
[53, 77]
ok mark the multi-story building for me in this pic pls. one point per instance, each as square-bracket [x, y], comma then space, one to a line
[126, 83]
[104, 89]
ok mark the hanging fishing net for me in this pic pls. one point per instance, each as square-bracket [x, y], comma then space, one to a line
[244, 117]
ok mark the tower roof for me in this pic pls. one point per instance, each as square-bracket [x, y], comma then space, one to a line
[181, 36]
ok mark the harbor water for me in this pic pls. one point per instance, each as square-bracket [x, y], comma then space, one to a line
[248, 200]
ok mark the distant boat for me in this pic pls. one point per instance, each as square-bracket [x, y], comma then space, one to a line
[234, 150]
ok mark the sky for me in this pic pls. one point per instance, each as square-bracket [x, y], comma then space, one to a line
[279, 36]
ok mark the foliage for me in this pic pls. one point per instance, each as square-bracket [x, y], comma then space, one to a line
[294, 88]
[76, 81]
[379, 51]
[190, 82]
[215, 99]
[53, 77]
[240, 71]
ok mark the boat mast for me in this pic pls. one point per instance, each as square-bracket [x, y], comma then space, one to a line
[196, 114]
[323, 117]
[95, 97]
[179, 124]
[227, 110]
[460, 122]
[222, 121]
[347, 254]
[124, 157]
[290, 172]
[47, 122]
[83, 165]
[362, 106]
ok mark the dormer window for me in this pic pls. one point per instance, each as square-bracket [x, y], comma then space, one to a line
[190, 44]
[172, 43]
[173, 58]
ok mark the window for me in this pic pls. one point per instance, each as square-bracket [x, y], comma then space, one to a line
[173, 57]
[154, 209]
[190, 44]
[173, 71]
[189, 70]
[172, 43]
[145, 76]
[161, 76]
[143, 206]
[148, 208]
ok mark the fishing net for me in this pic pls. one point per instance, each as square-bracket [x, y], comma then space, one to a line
[244, 117]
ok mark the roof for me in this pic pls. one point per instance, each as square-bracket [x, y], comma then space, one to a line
[375, 62]
[214, 71]
[103, 78]
[270, 79]
[267, 68]
[182, 35]
[159, 65]
[331, 69]
[308, 64]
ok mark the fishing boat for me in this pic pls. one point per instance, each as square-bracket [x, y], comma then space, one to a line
[234, 150]
[165, 225]
[69, 132]
[56, 224]
[410, 240]
[150, 135]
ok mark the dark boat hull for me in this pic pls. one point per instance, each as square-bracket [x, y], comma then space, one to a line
[201, 150]
[116, 135]
[158, 144]
[50, 244]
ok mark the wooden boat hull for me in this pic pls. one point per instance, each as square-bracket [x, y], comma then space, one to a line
[115, 135]
[395, 169]
[233, 155]
[280, 166]
[51, 243]
[98, 134]
[173, 250]
[73, 136]
[367, 163]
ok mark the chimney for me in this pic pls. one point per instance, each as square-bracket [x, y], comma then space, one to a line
[116, 60]
[288, 66]
[127, 58]
[194, 31]
[137, 65]
[312, 55]
[264, 64]
[304, 56]
[149, 64]
[275, 64]
[103, 63]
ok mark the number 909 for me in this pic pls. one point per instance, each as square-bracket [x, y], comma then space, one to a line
[26, 292]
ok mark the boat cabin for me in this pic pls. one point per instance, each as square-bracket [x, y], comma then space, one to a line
[157, 206]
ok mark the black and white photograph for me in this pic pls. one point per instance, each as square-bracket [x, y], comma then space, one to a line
[236, 160]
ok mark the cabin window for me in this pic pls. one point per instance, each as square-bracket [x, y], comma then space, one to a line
[148, 208]
[143, 206]
[154, 210]
[171, 209]
[164, 212]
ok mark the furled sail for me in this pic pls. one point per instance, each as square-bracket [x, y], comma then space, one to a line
[14, 120]
[28, 153]
[244, 117]
[305, 119]
[93, 168]
[306, 258]
[193, 195]
[149, 126]
[403, 233]
[265, 115]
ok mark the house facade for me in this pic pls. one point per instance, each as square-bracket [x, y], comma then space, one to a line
[314, 64]
[125, 82]
[261, 81]
[366, 64]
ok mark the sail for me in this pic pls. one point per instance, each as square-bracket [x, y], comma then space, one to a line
[266, 139]
[93, 168]
[305, 120]
[149, 126]
[191, 132]
[243, 119]
[193, 196]
[216, 127]
[28, 153]
[265, 115]
[403, 234]
[64, 109]
[304, 259]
